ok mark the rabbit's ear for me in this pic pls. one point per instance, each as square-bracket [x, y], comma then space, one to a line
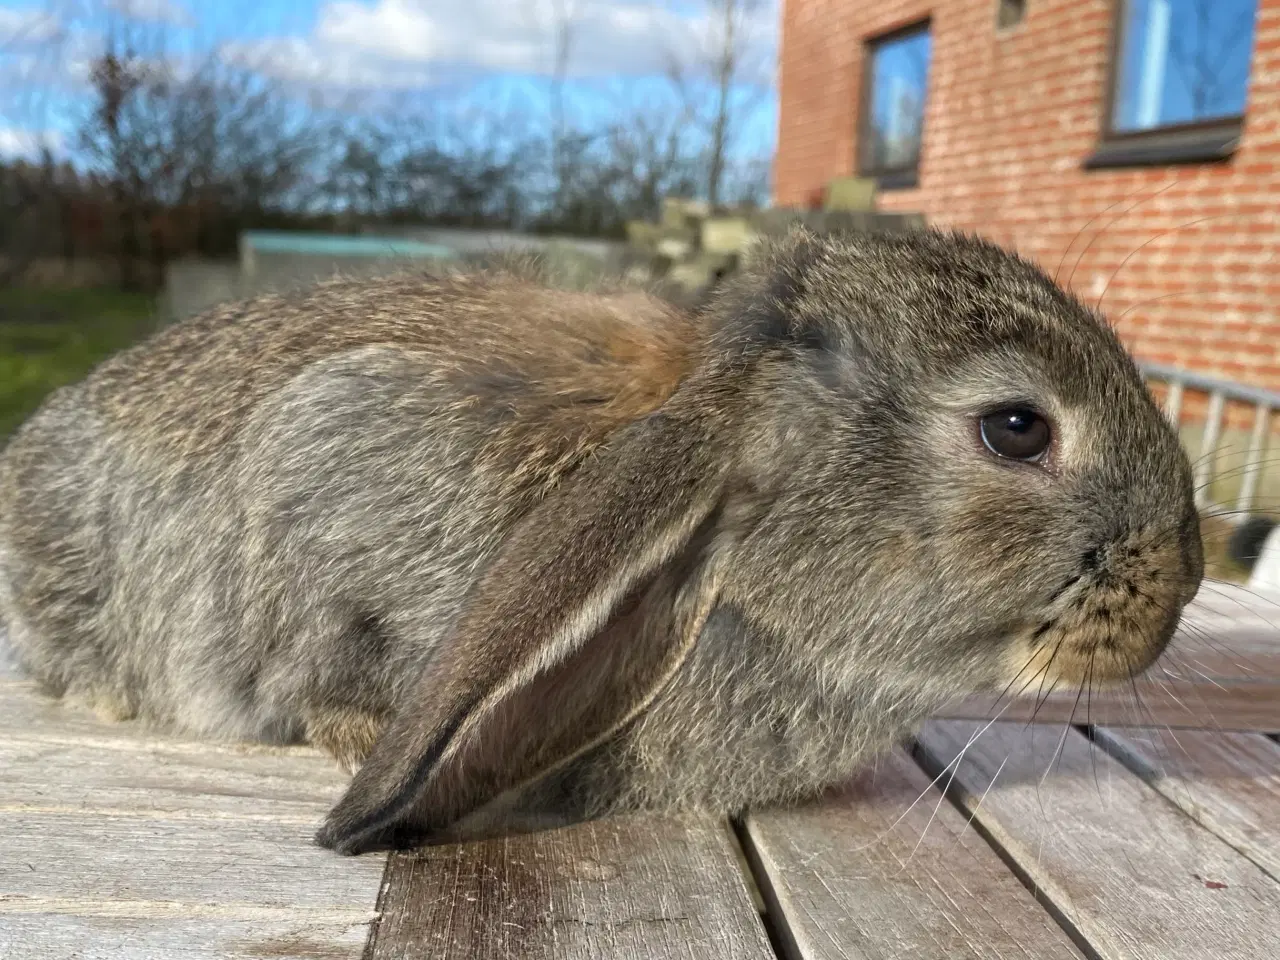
[544, 662]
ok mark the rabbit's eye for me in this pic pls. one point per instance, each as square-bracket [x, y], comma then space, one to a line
[1015, 434]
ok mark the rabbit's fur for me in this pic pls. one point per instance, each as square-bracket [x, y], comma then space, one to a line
[507, 548]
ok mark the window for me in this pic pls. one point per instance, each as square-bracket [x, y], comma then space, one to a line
[1180, 77]
[1009, 13]
[893, 96]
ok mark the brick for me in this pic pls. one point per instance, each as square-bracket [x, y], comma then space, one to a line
[1189, 255]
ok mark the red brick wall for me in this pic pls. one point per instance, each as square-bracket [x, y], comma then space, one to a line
[1010, 117]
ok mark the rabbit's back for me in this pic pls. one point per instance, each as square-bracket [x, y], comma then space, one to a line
[283, 502]
[496, 339]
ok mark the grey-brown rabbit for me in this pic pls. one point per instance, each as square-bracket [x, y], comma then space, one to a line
[501, 547]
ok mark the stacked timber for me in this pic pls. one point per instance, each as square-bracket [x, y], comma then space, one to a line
[690, 249]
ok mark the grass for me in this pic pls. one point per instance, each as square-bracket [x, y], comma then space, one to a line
[49, 338]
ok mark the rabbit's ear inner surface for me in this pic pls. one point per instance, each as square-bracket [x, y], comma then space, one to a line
[563, 711]
[547, 660]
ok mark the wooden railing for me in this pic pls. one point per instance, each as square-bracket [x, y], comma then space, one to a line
[1206, 459]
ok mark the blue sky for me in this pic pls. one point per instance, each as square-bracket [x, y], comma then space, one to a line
[437, 49]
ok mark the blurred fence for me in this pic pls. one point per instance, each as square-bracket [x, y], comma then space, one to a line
[279, 261]
[1231, 465]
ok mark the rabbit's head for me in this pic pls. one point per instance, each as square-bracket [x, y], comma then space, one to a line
[911, 461]
[961, 461]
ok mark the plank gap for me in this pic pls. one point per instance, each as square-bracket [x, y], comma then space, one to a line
[959, 798]
[1197, 800]
[782, 938]
[744, 865]
[379, 906]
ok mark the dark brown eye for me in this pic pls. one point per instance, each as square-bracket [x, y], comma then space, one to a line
[1015, 434]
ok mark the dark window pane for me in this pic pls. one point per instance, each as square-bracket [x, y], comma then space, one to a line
[1010, 13]
[899, 79]
[1182, 61]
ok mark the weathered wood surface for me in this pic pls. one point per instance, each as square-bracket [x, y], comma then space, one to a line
[1133, 875]
[121, 843]
[886, 869]
[125, 842]
[82, 764]
[1244, 606]
[633, 888]
[1228, 783]
[81, 778]
[1228, 631]
[192, 935]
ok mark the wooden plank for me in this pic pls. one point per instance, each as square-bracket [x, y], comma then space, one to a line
[122, 936]
[633, 887]
[1227, 650]
[78, 778]
[8, 657]
[1228, 783]
[1225, 706]
[1229, 631]
[1125, 868]
[122, 843]
[43, 740]
[1236, 600]
[61, 754]
[884, 869]
[194, 860]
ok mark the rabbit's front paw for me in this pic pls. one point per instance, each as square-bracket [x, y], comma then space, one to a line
[110, 707]
[346, 733]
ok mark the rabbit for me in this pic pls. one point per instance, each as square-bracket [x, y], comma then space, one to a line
[516, 554]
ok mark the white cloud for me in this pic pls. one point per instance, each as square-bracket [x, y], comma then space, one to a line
[154, 11]
[27, 143]
[298, 60]
[406, 42]
[19, 28]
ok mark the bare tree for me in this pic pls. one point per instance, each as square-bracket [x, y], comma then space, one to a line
[653, 147]
[191, 146]
[183, 143]
[722, 74]
[560, 20]
[564, 13]
[120, 141]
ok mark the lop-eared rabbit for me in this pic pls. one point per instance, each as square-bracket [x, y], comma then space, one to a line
[518, 554]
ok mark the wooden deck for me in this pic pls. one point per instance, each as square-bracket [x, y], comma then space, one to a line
[1137, 834]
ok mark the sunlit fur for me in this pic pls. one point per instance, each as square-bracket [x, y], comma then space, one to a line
[266, 521]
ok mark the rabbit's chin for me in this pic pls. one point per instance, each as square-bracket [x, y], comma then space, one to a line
[1092, 655]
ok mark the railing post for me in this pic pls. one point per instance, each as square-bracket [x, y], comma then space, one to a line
[1173, 403]
[1208, 447]
[1253, 463]
[1265, 404]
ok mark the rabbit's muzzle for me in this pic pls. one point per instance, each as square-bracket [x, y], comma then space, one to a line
[1113, 619]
